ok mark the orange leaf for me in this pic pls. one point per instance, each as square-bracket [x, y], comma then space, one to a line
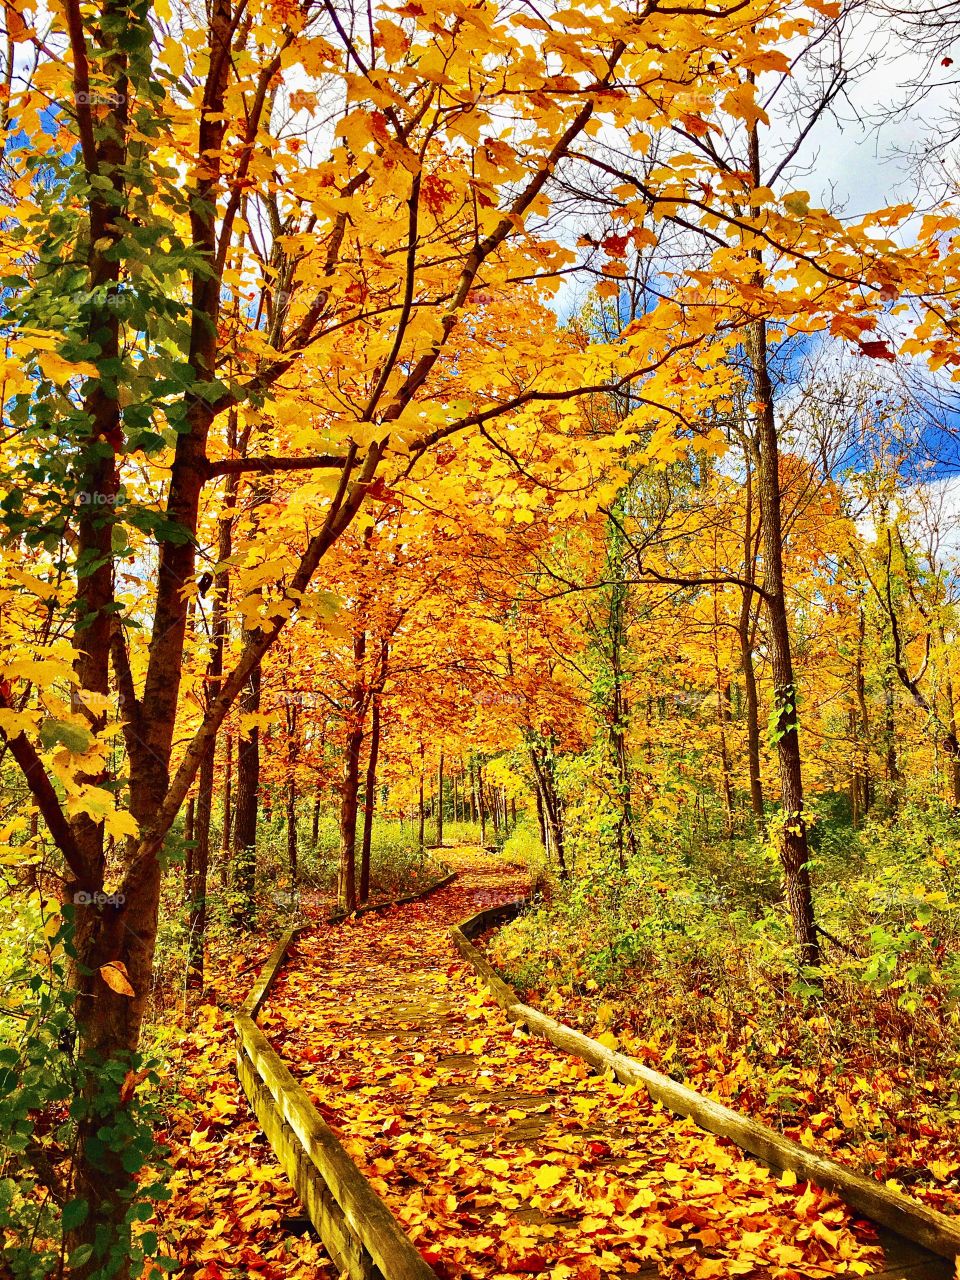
[115, 975]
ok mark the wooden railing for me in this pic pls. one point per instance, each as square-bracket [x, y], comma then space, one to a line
[915, 1222]
[358, 1231]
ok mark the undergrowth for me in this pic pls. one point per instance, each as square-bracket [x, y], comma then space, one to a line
[685, 958]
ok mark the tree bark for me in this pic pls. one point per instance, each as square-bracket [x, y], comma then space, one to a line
[315, 828]
[369, 802]
[746, 623]
[440, 802]
[197, 885]
[551, 805]
[794, 850]
[421, 815]
[227, 793]
[247, 806]
[350, 781]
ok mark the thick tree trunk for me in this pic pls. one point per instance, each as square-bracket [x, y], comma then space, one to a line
[369, 802]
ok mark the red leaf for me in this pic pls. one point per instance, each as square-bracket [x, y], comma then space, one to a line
[530, 1264]
[876, 350]
[616, 245]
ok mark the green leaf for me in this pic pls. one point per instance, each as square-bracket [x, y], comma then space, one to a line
[74, 1213]
[74, 737]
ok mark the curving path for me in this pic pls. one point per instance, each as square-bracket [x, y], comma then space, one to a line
[502, 1156]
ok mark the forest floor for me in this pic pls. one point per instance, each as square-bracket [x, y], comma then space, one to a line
[499, 1154]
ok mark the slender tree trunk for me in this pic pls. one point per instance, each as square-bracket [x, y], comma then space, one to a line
[540, 818]
[551, 805]
[247, 806]
[227, 794]
[890, 738]
[292, 828]
[369, 802]
[293, 754]
[350, 782]
[481, 804]
[197, 886]
[794, 850]
[315, 829]
[440, 801]
[188, 838]
[951, 721]
[745, 630]
[861, 729]
[349, 796]
[421, 813]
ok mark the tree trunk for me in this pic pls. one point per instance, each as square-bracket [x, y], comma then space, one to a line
[860, 780]
[421, 815]
[794, 851]
[540, 818]
[369, 803]
[188, 838]
[551, 805]
[440, 802]
[227, 794]
[350, 783]
[315, 829]
[292, 828]
[745, 630]
[197, 886]
[349, 803]
[247, 807]
[951, 721]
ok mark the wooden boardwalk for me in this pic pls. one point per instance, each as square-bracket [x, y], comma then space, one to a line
[500, 1155]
